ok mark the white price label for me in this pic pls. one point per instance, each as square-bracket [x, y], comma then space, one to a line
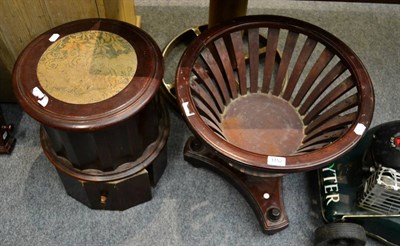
[360, 129]
[276, 161]
[43, 99]
[185, 106]
[54, 37]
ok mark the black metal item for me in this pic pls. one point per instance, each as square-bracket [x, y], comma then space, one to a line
[385, 147]
[340, 234]
[356, 189]
[7, 141]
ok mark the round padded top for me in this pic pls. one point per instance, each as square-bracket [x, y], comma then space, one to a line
[87, 74]
[87, 67]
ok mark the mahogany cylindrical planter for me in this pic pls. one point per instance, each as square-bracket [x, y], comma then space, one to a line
[93, 86]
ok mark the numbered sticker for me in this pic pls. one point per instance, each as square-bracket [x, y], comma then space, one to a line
[43, 99]
[276, 161]
[360, 129]
[185, 106]
[266, 196]
[54, 37]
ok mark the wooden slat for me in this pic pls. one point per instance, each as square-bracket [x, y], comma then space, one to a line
[312, 147]
[334, 123]
[334, 94]
[205, 111]
[331, 76]
[227, 64]
[344, 105]
[253, 41]
[212, 125]
[212, 64]
[205, 97]
[290, 44]
[323, 60]
[325, 138]
[199, 71]
[237, 42]
[301, 62]
[270, 55]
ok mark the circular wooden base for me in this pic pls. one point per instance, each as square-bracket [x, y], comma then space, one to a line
[264, 194]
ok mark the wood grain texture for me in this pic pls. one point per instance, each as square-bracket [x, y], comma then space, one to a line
[23, 20]
[256, 127]
[123, 10]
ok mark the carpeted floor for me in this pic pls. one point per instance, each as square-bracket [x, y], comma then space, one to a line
[190, 206]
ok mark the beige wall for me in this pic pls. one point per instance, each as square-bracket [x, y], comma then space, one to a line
[22, 20]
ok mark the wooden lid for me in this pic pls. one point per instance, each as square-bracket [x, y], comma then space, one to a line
[87, 74]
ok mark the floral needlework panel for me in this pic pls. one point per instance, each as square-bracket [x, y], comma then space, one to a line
[87, 67]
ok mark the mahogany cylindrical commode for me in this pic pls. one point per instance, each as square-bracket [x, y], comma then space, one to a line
[93, 86]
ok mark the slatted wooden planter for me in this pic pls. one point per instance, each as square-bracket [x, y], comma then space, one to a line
[265, 116]
[309, 108]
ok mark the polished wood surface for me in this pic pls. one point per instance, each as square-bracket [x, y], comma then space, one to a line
[23, 20]
[103, 138]
[80, 132]
[88, 117]
[31, 18]
[318, 77]
[107, 149]
[264, 194]
[128, 185]
[256, 117]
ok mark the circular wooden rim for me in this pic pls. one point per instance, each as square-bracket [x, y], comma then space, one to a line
[258, 162]
[83, 117]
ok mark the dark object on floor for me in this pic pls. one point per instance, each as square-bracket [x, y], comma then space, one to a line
[340, 234]
[264, 118]
[93, 85]
[363, 186]
[7, 141]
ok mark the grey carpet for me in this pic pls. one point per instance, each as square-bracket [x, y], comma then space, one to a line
[190, 206]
